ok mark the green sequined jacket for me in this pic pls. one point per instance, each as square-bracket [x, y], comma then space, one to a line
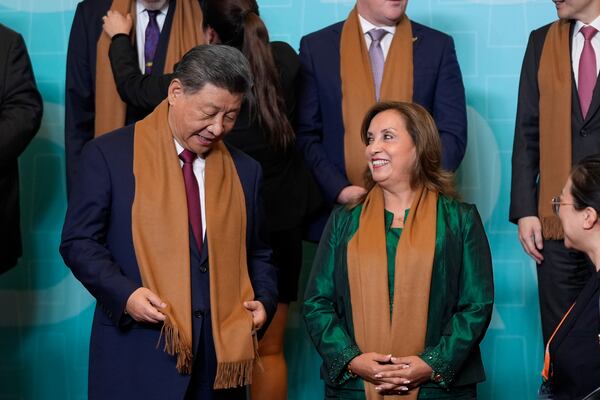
[460, 302]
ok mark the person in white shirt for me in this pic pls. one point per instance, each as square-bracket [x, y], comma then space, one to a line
[377, 53]
[556, 126]
[88, 75]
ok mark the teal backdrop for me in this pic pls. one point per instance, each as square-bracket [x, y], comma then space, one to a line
[45, 314]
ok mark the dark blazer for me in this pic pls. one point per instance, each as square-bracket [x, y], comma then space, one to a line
[81, 77]
[97, 245]
[575, 349]
[20, 118]
[289, 191]
[585, 134]
[437, 86]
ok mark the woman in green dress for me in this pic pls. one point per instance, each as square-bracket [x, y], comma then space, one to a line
[401, 289]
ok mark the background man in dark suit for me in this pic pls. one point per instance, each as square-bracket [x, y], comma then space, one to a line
[561, 273]
[20, 117]
[130, 258]
[80, 106]
[437, 85]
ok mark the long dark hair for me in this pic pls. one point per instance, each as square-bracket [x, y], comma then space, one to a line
[420, 125]
[238, 24]
[585, 178]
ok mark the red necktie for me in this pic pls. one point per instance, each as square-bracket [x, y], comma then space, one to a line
[587, 70]
[192, 194]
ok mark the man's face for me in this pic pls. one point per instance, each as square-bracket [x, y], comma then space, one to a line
[201, 119]
[153, 4]
[381, 12]
[583, 10]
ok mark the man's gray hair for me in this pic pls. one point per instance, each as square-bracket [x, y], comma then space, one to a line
[222, 66]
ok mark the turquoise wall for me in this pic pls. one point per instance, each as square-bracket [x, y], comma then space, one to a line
[45, 314]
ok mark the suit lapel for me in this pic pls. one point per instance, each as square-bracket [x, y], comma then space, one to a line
[418, 38]
[199, 257]
[594, 105]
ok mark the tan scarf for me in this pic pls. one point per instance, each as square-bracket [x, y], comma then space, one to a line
[161, 240]
[186, 32]
[358, 89]
[404, 335]
[554, 81]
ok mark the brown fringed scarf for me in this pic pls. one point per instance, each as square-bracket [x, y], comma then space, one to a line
[186, 33]
[367, 275]
[358, 89]
[554, 81]
[161, 240]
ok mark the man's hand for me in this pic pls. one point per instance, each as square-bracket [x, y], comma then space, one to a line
[351, 194]
[530, 236]
[413, 373]
[144, 306]
[114, 23]
[259, 315]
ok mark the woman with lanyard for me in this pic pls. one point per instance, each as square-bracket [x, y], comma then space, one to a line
[572, 359]
[264, 132]
[401, 290]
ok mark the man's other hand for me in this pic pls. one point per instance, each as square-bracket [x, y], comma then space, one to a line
[530, 236]
[259, 315]
[351, 194]
[144, 306]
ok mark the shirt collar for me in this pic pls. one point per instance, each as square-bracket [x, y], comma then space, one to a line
[139, 8]
[578, 25]
[179, 148]
[367, 26]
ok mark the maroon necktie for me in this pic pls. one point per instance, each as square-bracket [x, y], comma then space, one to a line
[151, 40]
[192, 194]
[587, 70]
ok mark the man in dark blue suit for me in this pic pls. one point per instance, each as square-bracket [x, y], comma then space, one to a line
[436, 84]
[174, 259]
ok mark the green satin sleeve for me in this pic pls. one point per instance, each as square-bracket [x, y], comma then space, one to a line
[325, 320]
[468, 324]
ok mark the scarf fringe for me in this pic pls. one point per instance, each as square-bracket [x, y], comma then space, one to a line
[175, 345]
[233, 374]
[552, 228]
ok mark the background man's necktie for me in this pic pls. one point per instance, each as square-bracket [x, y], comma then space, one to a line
[151, 41]
[587, 70]
[193, 195]
[376, 56]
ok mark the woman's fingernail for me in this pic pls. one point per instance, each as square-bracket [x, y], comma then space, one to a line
[377, 376]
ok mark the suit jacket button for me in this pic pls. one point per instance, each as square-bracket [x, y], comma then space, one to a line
[203, 268]
[198, 314]
[583, 132]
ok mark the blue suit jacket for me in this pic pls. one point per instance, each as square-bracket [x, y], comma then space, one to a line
[97, 245]
[437, 86]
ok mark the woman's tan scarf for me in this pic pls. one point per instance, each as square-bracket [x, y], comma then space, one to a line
[186, 33]
[404, 335]
[554, 81]
[161, 240]
[358, 89]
